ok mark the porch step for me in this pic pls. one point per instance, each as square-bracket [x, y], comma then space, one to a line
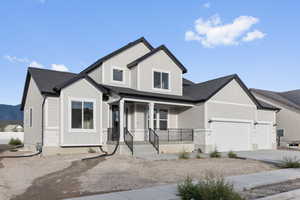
[143, 150]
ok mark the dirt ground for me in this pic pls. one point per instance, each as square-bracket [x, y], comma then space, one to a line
[272, 189]
[57, 177]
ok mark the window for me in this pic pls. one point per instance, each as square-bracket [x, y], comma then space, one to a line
[82, 116]
[161, 80]
[30, 117]
[163, 119]
[118, 75]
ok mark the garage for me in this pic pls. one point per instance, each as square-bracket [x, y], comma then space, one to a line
[262, 136]
[231, 136]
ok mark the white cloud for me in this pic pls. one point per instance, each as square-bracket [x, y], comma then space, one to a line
[253, 36]
[36, 64]
[14, 59]
[206, 5]
[212, 32]
[59, 67]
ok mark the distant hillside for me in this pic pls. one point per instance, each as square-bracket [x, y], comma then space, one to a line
[9, 112]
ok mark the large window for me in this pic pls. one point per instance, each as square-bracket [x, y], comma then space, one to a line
[161, 80]
[118, 75]
[82, 115]
[163, 119]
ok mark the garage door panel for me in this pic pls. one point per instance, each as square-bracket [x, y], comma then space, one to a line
[233, 136]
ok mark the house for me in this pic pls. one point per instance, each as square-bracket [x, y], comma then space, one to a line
[288, 119]
[139, 92]
[11, 126]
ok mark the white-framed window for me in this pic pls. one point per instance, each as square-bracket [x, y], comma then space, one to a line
[161, 80]
[160, 119]
[82, 115]
[118, 74]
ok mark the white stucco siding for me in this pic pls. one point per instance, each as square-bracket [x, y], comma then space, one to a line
[160, 62]
[34, 101]
[192, 117]
[81, 90]
[96, 74]
[120, 61]
[287, 118]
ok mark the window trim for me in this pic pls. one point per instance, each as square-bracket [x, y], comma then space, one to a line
[158, 118]
[80, 130]
[169, 80]
[112, 75]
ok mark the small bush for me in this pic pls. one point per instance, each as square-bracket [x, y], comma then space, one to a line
[198, 156]
[15, 142]
[231, 154]
[184, 155]
[211, 188]
[290, 162]
[215, 154]
[91, 150]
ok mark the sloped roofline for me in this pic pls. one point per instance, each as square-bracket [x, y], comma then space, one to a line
[163, 48]
[131, 44]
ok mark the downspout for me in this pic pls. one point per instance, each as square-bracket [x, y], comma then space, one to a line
[39, 146]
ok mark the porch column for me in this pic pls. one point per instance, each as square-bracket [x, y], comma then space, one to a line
[121, 119]
[151, 114]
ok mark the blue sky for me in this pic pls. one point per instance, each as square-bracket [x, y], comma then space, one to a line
[258, 40]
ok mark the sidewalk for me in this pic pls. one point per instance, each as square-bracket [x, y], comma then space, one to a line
[291, 195]
[168, 192]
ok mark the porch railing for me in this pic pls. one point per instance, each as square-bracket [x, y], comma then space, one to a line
[176, 135]
[113, 134]
[128, 139]
[154, 139]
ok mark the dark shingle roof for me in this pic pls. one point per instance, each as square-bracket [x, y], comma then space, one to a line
[163, 48]
[131, 44]
[187, 82]
[290, 98]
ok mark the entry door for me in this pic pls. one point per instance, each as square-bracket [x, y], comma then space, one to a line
[115, 121]
[263, 136]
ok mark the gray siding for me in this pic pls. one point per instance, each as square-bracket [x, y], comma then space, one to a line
[80, 90]
[287, 118]
[120, 61]
[34, 100]
[96, 74]
[159, 62]
[52, 121]
[192, 117]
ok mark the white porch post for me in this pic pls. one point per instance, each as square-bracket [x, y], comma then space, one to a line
[121, 119]
[151, 114]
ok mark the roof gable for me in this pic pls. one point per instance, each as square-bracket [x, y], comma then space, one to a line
[131, 44]
[154, 51]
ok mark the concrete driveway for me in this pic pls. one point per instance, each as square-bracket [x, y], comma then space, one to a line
[272, 156]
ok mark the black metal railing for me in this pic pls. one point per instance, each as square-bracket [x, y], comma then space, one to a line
[128, 139]
[176, 135]
[113, 134]
[154, 139]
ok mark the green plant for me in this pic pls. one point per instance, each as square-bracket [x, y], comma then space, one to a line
[210, 188]
[215, 154]
[231, 154]
[184, 155]
[198, 156]
[290, 162]
[15, 142]
[91, 150]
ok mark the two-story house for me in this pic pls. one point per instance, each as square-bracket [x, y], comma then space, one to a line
[138, 93]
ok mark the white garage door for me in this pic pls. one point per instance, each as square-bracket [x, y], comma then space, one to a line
[233, 136]
[262, 136]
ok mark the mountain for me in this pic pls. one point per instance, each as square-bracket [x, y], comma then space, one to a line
[9, 112]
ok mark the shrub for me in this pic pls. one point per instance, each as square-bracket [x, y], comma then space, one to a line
[15, 142]
[198, 156]
[91, 150]
[290, 162]
[215, 154]
[231, 154]
[184, 155]
[211, 188]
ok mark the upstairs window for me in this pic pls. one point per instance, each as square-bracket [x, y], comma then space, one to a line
[118, 75]
[161, 80]
[82, 116]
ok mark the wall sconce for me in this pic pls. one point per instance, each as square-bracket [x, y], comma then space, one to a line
[255, 123]
[275, 125]
[210, 121]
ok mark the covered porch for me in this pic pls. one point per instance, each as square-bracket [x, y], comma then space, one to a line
[143, 121]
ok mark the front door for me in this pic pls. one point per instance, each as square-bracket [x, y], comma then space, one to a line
[115, 121]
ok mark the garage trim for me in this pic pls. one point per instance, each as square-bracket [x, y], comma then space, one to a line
[230, 120]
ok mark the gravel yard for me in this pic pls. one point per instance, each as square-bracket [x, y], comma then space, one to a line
[57, 177]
